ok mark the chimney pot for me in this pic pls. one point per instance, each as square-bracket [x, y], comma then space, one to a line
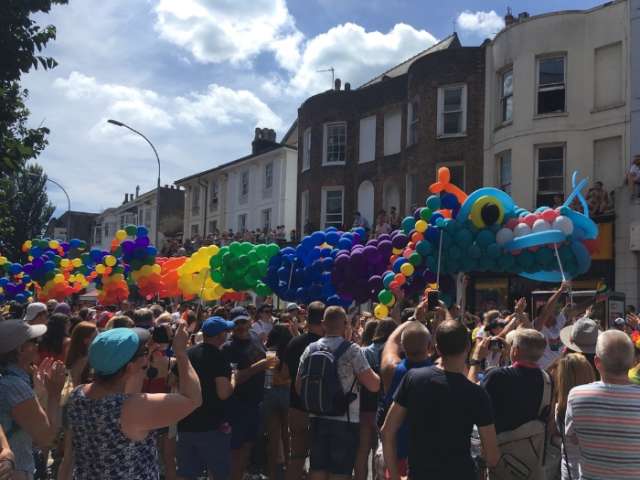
[126, 198]
[337, 84]
[137, 191]
[508, 18]
[347, 87]
[523, 16]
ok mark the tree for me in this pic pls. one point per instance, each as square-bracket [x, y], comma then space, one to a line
[20, 38]
[26, 209]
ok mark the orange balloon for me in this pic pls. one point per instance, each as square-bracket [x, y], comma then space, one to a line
[400, 278]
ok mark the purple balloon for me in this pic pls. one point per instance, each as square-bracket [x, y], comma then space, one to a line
[370, 252]
[375, 283]
[28, 268]
[416, 213]
[373, 242]
[400, 240]
[384, 237]
[37, 263]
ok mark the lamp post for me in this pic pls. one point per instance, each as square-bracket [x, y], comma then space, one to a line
[120, 124]
[68, 202]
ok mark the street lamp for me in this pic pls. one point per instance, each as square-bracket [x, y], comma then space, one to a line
[68, 202]
[120, 124]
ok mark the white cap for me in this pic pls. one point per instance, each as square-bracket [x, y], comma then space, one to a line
[292, 306]
[13, 333]
[33, 310]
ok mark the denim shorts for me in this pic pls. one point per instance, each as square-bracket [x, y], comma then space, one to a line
[198, 452]
[334, 445]
[245, 423]
[276, 400]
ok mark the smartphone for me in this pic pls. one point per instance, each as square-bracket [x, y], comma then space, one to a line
[433, 300]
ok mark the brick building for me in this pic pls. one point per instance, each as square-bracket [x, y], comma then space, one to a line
[379, 146]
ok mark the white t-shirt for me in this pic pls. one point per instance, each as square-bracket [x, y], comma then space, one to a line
[262, 329]
[554, 344]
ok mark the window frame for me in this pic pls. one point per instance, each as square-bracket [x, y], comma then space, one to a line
[500, 157]
[440, 110]
[412, 122]
[267, 189]
[549, 87]
[537, 170]
[196, 227]
[243, 228]
[264, 225]
[456, 164]
[195, 200]
[214, 201]
[243, 196]
[306, 149]
[323, 209]
[325, 150]
[503, 97]
[213, 225]
[304, 208]
[360, 142]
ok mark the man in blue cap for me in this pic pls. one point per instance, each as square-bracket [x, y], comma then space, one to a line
[204, 437]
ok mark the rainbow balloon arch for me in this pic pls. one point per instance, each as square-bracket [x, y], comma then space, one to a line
[453, 233]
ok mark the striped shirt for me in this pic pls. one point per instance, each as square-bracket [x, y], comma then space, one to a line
[605, 421]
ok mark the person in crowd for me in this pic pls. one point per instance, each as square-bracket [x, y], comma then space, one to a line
[581, 337]
[592, 409]
[298, 417]
[247, 352]
[360, 221]
[51, 305]
[550, 322]
[521, 396]
[29, 404]
[119, 321]
[63, 308]
[408, 347]
[368, 332]
[276, 403]
[55, 342]
[156, 310]
[37, 313]
[77, 359]
[369, 400]
[633, 177]
[334, 439]
[294, 310]
[441, 407]
[264, 321]
[382, 226]
[110, 432]
[571, 370]
[394, 219]
[598, 200]
[143, 318]
[7, 458]
[204, 436]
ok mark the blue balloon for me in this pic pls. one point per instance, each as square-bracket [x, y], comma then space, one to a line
[15, 268]
[345, 243]
[318, 238]
[74, 243]
[142, 231]
[398, 263]
[449, 201]
[535, 240]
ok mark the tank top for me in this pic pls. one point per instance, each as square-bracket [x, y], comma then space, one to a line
[100, 448]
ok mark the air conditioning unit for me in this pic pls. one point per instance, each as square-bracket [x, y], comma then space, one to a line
[634, 237]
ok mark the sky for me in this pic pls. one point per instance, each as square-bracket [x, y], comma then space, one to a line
[197, 76]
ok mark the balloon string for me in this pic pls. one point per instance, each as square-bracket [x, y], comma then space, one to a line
[202, 290]
[564, 278]
[290, 276]
[439, 259]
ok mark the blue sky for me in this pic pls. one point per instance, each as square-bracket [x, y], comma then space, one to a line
[197, 76]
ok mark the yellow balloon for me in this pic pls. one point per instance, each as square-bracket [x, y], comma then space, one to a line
[54, 244]
[100, 268]
[110, 260]
[407, 269]
[59, 278]
[3, 260]
[65, 262]
[381, 311]
[396, 251]
[121, 235]
[421, 226]
[156, 268]
[76, 262]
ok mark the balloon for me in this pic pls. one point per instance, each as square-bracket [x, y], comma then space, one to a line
[408, 224]
[521, 230]
[433, 202]
[421, 226]
[425, 214]
[540, 225]
[110, 260]
[563, 223]
[385, 297]
[381, 311]
[121, 235]
[407, 269]
[504, 236]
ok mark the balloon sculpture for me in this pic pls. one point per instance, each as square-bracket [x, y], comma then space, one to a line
[454, 232]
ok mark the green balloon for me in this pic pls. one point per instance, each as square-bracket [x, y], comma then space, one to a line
[463, 238]
[475, 251]
[494, 250]
[415, 259]
[235, 249]
[425, 214]
[385, 297]
[424, 248]
[131, 230]
[433, 202]
[454, 252]
[246, 247]
[408, 224]
[526, 259]
[261, 250]
[272, 249]
[216, 276]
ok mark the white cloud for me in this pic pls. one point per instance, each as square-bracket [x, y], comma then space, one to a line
[356, 55]
[229, 30]
[485, 24]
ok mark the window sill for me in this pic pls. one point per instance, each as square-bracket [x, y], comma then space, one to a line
[541, 116]
[334, 164]
[613, 106]
[503, 125]
[305, 169]
[451, 135]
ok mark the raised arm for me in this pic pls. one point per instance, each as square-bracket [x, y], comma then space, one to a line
[391, 354]
[547, 317]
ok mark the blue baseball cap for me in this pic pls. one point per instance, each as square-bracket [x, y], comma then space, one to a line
[113, 349]
[213, 326]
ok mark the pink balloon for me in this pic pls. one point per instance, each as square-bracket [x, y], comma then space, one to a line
[511, 224]
[549, 215]
[530, 219]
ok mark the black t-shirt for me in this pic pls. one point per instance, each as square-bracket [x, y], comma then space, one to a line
[292, 355]
[515, 394]
[442, 408]
[209, 364]
[245, 353]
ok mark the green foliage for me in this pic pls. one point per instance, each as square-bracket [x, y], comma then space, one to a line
[21, 41]
[25, 208]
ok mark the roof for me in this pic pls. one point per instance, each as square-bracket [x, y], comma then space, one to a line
[449, 42]
[292, 128]
[275, 146]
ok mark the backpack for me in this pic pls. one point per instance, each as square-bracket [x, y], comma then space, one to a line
[523, 449]
[321, 391]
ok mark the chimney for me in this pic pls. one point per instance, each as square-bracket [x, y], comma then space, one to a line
[126, 198]
[264, 139]
[337, 84]
[523, 16]
[137, 191]
[508, 18]
[131, 197]
[347, 87]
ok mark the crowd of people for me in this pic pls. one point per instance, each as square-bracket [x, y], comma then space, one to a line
[240, 392]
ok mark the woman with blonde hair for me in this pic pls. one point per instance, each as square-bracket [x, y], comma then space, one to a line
[77, 360]
[571, 370]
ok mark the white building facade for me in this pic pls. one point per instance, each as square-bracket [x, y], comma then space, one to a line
[558, 97]
[255, 192]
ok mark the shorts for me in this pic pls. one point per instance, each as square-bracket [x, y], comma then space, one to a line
[200, 451]
[276, 400]
[334, 445]
[245, 424]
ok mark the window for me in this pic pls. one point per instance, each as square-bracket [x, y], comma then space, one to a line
[266, 219]
[452, 110]
[107, 232]
[608, 76]
[306, 150]
[412, 123]
[195, 200]
[506, 97]
[268, 176]
[550, 182]
[504, 171]
[335, 143]
[392, 129]
[213, 195]
[147, 218]
[242, 222]
[551, 85]
[456, 169]
[304, 209]
[367, 150]
[213, 226]
[332, 207]
[98, 235]
[608, 162]
[244, 186]
[195, 229]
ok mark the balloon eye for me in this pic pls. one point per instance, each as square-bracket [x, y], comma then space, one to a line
[490, 213]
